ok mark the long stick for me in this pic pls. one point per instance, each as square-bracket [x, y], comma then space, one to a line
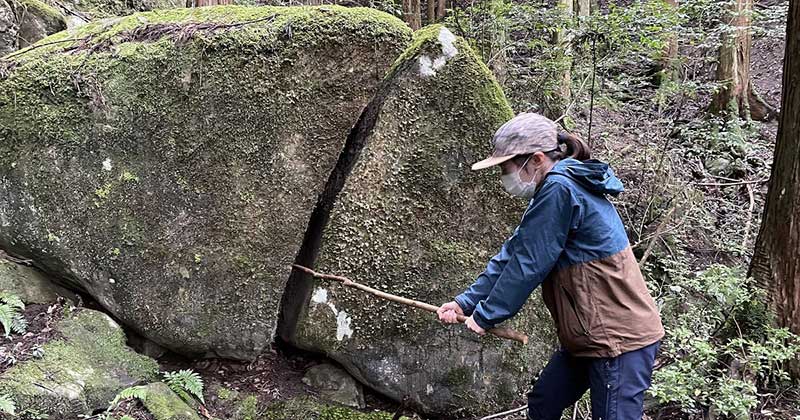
[498, 331]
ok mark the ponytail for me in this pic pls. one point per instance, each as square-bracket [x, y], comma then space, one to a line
[576, 148]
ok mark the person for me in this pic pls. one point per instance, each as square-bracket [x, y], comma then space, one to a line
[571, 241]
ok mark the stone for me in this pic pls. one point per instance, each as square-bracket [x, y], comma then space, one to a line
[79, 373]
[31, 285]
[177, 157]
[413, 220]
[36, 20]
[9, 29]
[335, 384]
[164, 404]
[308, 408]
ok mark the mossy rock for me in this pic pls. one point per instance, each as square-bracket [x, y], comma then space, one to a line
[80, 372]
[415, 221]
[36, 21]
[164, 404]
[30, 284]
[307, 408]
[178, 155]
[9, 28]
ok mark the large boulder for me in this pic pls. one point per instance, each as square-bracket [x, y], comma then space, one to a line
[80, 372]
[168, 162]
[413, 220]
[36, 21]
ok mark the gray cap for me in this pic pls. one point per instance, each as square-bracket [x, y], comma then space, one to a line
[526, 133]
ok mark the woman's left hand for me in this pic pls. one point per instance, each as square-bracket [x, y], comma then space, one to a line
[471, 324]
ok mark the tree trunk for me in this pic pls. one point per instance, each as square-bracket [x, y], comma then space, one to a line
[582, 7]
[411, 13]
[776, 261]
[736, 96]
[441, 9]
[668, 62]
[431, 16]
[565, 90]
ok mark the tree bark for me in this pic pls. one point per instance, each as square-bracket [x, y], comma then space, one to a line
[736, 96]
[411, 13]
[441, 9]
[431, 16]
[776, 260]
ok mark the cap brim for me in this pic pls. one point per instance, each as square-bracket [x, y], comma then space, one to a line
[489, 162]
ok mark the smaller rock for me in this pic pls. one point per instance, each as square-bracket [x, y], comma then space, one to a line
[30, 284]
[164, 404]
[37, 20]
[80, 372]
[335, 385]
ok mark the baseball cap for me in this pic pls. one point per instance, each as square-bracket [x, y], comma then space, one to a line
[526, 133]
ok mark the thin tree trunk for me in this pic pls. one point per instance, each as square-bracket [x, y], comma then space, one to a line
[668, 62]
[441, 9]
[565, 82]
[431, 16]
[736, 96]
[776, 261]
[411, 13]
[582, 7]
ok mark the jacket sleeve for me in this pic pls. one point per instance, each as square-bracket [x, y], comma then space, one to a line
[485, 282]
[532, 253]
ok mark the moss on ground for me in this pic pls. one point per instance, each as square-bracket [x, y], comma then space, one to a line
[307, 408]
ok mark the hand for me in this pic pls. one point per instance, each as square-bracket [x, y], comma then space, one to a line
[471, 324]
[448, 313]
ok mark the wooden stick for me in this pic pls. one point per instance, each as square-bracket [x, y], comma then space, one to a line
[498, 331]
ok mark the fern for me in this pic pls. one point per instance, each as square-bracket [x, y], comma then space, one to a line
[11, 314]
[7, 404]
[138, 392]
[183, 381]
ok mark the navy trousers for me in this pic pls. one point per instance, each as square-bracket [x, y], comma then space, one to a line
[616, 384]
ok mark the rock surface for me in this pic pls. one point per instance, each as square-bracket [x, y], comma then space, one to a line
[413, 220]
[31, 285]
[80, 372]
[307, 408]
[335, 384]
[36, 20]
[9, 29]
[164, 404]
[168, 163]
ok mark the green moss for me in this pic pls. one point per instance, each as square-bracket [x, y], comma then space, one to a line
[458, 376]
[83, 371]
[164, 404]
[307, 408]
[248, 408]
[42, 9]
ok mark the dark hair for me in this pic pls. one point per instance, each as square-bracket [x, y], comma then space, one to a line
[576, 148]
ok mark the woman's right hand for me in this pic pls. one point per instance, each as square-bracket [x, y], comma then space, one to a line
[449, 311]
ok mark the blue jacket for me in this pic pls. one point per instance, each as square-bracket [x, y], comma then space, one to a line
[571, 234]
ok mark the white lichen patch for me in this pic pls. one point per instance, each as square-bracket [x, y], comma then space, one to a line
[447, 39]
[429, 389]
[428, 66]
[107, 164]
[320, 297]
[343, 326]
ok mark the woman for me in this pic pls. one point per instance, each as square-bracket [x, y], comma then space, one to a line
[572, 241]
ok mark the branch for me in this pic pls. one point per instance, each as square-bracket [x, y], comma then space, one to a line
[498, 331]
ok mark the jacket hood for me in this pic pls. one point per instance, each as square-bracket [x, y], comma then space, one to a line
[592, 174]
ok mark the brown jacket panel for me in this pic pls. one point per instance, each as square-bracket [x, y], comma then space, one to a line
[602, 308]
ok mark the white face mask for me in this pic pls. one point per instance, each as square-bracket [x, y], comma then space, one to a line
[514, 185]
